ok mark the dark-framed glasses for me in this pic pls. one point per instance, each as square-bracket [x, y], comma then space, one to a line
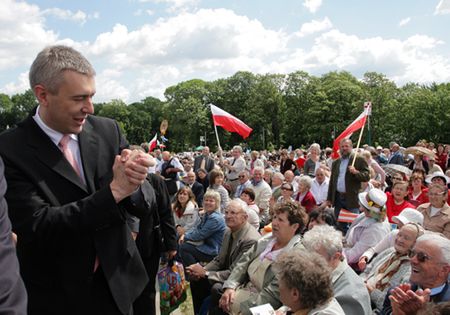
[421, 256]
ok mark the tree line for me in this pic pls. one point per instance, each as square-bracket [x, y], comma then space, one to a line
[295, 109]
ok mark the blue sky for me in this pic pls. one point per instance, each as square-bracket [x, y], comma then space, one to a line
[141, 47]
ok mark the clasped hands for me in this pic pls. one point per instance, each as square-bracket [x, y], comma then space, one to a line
[130, 170]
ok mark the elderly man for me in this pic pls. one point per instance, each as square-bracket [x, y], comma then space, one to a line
[238, 238]
[289, 177]
[277, 181]
[430, 265]
[396, 156]
[204, 161]
[345, 181]
[234, 166]
[349, 289]
[319, 187]
[244, 182]
[263, 193]
[195, 186]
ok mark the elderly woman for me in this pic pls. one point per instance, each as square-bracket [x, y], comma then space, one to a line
[286, 193]
[185, 210]
[304, 195]
[255, 161]
[305, 284]
[313, 161]
[391, 267]
[369, 227]
[408, 215]
[436, 213]
[252, 281]
[203, 242]
[286, 164]
[216, 184]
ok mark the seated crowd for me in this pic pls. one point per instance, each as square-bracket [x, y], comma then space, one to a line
[268, 231]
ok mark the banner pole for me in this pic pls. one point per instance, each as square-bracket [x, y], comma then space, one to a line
[359, 142]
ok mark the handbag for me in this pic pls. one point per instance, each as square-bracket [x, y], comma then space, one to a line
[172, 286]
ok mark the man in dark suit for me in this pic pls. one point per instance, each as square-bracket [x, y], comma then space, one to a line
[72, 185]
[13, 297]
[238, 238]
[204, 161]
[345, 181]
[396, 155]
[195, 186]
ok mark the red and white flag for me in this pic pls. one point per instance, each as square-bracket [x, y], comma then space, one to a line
[229, 122]
[357, 124]
[152, 144]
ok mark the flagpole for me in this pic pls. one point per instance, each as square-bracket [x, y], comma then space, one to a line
[357, 145]
[217, 137]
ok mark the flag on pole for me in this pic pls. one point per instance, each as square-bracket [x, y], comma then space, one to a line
[229, 122]
[152, 144]
[354, 126]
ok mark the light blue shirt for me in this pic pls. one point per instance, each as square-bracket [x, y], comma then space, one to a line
[341, 178]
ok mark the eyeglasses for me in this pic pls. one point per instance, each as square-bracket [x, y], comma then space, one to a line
[421, 256]
[241, 176]
[397, 178]
[284, 188]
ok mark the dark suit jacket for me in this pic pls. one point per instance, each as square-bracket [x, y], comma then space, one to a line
[352, 181]
[209, 163]
[218, 267]
[198, 191]
[62, 224]
[13, 297]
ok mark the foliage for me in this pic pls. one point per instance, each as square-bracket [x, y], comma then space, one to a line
[295, 109]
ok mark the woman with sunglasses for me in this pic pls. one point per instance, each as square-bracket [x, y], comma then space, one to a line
[436, 213]
[369, 227]
[286, 193]
[391, 267]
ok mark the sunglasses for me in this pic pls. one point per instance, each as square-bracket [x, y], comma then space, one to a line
[421, 256]
[241, 176]
[284, 188]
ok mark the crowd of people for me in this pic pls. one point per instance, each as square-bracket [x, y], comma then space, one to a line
[90, 218]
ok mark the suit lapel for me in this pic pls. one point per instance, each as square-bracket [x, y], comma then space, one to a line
[89, 154]
[47, 152]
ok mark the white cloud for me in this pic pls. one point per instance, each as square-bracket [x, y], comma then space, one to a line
[443, 7]
[20, 86]
[403, 61]
[22, 34]
[149, 12]
[404, 21]
[314, 26]
[312, 5]
[79, 16]
[175, 5]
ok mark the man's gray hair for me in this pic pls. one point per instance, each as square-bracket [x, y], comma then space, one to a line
[440, 241]
[49, 66]
[323, 236]
[279, 176]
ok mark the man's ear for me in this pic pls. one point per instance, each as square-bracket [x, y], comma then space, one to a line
[41, 94]
[295, 293]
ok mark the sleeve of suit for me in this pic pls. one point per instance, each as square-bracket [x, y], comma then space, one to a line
[13, 297]
[167, 223]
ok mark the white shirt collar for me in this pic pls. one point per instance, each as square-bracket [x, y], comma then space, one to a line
[54, 135]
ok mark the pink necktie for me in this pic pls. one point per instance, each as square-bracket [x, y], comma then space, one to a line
[64, 146]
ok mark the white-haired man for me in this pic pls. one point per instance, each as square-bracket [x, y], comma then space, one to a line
[234, 167]
[430, 270]
[263, 193]
[349, 289]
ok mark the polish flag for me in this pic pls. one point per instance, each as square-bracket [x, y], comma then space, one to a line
[357, 124]
[229, 122]
[152, 144]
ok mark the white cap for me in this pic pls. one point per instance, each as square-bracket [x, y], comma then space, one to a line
[430, 178]
[409, 215]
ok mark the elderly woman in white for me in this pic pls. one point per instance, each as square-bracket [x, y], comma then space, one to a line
[369, 227]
